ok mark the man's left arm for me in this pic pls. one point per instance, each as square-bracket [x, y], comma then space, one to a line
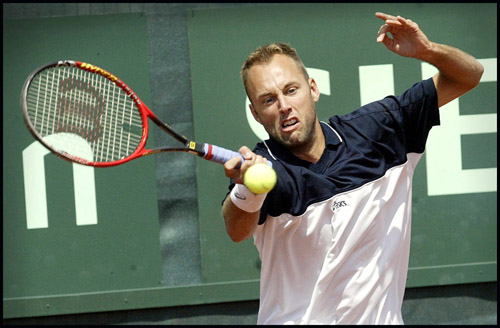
[458, 72]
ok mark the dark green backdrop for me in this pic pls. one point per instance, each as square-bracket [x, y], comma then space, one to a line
[144, 252]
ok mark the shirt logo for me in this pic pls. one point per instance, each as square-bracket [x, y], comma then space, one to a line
[339, 204]
[239, 196]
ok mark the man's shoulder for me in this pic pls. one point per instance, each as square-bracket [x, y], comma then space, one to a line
[389, 103]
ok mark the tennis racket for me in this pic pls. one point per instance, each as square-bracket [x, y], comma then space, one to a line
[87, 115]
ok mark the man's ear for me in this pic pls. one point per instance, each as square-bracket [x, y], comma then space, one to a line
[254, 113]
[314, 90]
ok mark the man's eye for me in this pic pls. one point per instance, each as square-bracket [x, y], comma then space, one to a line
[292, 90]
[268, 101]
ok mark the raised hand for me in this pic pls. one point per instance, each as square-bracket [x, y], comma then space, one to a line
[407, 38]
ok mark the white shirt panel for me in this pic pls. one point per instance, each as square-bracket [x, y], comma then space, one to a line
[346, 258]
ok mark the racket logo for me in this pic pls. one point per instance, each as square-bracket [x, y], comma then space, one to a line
[80, 107]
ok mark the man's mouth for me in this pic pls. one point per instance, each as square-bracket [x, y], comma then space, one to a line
[288, 124]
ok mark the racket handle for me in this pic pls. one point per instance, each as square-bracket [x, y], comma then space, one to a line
[219, 154]
[222, 155]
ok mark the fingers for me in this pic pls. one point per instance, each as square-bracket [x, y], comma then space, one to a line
[390, 19]
[395, 21]
[384, 29]
[382, 32]
[381, 15]
[382, 35]
[393, 24]
[232, 164]
[236, 172]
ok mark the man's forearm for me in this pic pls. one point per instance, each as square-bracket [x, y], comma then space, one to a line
[454, 64]
[458, 73]
[240, 225]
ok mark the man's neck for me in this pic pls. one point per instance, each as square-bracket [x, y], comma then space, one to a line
[313, 151]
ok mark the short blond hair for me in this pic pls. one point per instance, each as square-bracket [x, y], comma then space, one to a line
[265, 53]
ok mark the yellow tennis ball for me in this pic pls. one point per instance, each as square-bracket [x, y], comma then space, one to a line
[260, 178]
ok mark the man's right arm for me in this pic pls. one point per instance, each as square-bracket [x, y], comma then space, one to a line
[240, 225]
[242, 219]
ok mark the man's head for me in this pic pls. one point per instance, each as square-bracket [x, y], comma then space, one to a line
[282, 96]
[264, 54]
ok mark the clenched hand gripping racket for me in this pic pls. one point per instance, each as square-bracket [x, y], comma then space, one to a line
[87, 115]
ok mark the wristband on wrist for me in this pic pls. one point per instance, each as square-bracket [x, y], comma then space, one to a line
[245, 199]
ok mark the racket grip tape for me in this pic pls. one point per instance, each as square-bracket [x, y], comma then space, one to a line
[222, 155]
[219, 154]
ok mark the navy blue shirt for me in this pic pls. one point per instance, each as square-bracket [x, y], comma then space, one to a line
[360, 147]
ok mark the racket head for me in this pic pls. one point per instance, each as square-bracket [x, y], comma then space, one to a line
[84, 114]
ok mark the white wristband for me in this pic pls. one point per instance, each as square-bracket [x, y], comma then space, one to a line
[245, 199]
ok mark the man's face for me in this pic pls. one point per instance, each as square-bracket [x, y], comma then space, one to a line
[283, 101]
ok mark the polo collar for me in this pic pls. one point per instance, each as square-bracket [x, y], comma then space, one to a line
[278, 151]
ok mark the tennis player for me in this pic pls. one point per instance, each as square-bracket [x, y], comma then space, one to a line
[334, 234]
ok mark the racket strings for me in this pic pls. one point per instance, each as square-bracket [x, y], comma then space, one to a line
[92, 117]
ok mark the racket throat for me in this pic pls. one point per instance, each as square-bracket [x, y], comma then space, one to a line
[196, 148]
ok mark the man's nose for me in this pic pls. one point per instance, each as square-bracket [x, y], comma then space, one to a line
[283, 105]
